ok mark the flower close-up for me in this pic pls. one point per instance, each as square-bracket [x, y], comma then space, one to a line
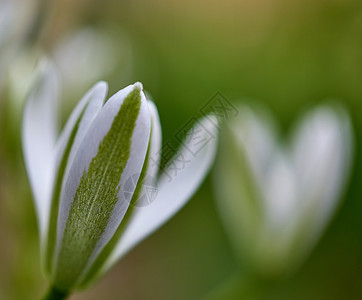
[158, 150]
[97, 188]
[279, 197]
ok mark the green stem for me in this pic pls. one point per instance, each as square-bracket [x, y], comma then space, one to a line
[55, 294]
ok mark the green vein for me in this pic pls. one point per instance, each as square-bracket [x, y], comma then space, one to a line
[96, 195]
[95, 268]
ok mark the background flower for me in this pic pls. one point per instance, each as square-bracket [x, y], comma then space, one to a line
[278, 197]
[16, 18]
[106, 49]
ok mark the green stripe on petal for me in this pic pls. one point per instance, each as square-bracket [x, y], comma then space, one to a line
[97, 195]
[93, 273]
[100, 266]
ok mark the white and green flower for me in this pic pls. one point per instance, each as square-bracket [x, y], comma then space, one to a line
[276, 199]
[86, 221]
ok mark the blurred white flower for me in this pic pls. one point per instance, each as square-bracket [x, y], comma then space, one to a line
[16, 17]
[89, 53]
[18, 59]
[84, 182]
[276, 199]
[21, 77]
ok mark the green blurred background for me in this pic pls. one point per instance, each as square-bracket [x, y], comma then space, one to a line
[289, 55]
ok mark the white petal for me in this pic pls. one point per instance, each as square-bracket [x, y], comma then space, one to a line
[89, 149]
[172, 194]
[279, 194]
[94, 100]
[247, 149]
[78, 124]
[148, 181]
[38, 138]
[267, 165]
[322, 157]
[156, 141]
[255, 134]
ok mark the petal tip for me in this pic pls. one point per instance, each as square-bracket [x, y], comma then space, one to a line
[138, 85]
[101, 85]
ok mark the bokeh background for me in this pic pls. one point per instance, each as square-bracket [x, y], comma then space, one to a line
[288, 55]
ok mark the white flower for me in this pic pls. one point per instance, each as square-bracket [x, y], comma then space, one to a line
[79, 181]
[106, 49]
[276, 199]
[16, 17]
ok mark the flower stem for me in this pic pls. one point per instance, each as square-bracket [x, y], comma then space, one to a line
[55, 294]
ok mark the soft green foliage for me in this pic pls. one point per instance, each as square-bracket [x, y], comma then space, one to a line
[96, 195]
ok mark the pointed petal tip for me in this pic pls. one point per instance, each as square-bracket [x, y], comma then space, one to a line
[101, 85]
[138, 85]
[138, 88]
